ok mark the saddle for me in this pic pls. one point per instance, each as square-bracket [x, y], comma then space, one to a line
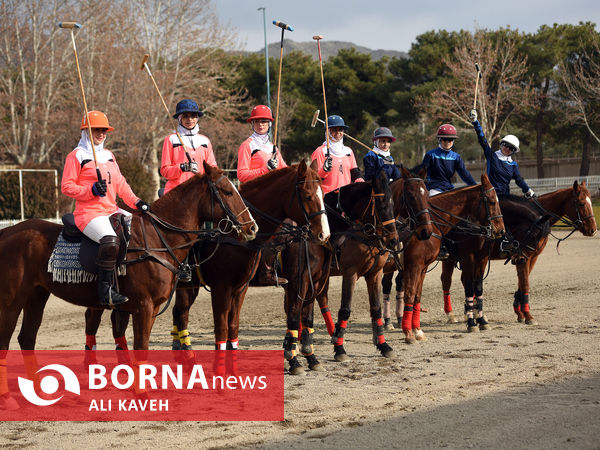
[88, 249]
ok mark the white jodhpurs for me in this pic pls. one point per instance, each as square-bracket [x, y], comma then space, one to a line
[434, 192]
[100, 226]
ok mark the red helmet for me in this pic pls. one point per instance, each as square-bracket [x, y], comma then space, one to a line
[447, 131]
[260, 112]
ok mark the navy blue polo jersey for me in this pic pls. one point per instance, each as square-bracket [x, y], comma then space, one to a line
[441, 166]
[374, 163]
[499, 171]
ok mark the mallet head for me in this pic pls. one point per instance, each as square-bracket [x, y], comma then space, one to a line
[315, 118]
[285, 26]
[69, 25]
[317, 37]
[144, 60]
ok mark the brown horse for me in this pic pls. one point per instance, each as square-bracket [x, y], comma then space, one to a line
[308, 268]
[463, 208]
[531, 238]
[292, 192]
[27, 246]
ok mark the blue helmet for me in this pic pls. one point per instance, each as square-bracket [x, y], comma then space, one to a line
[336, 121]
[187, 105]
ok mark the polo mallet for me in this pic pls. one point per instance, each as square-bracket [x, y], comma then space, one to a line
[283, 26]
[476, 85]
[316, 119]
[143, 66]
[318, 39]
[71, 26]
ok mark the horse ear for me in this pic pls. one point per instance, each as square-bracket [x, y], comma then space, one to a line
[213, 172]
[575, 185]
[314, 165]
[405, 172]
[302, 169]
[484, 179]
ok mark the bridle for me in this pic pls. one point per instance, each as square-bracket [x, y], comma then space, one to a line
[231, 221]
[413, 217]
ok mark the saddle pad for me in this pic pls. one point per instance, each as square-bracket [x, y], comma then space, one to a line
[64, 263]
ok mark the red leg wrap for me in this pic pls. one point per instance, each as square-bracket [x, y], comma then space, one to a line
[90, 341]
[344, 325]
[447, 302]
[121, 343]
[380, 337]
[328, 320]
[407, 318]
[416, 318]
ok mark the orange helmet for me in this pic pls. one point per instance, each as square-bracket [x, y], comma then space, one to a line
[260, 112]
[97, 120]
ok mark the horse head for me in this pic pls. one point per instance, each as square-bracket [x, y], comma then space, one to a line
[227, 203]
[580, 211]
[492, 213]
[384, 207]
[310, 205]
[412, 199]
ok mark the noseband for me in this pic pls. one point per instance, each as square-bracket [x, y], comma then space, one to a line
[231, 222]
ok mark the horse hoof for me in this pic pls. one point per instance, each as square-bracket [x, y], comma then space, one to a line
[484, 327]
[473, 329]
[295, 367]
[314, 364]
[340, 354]
[410, 340]
[176, 345]
[385, 350]
[451, 318]
[531, 322]
[389, 327]
[7, 403]
[420, 336]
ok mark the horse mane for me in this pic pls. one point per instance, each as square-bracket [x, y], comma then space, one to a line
[260, 182]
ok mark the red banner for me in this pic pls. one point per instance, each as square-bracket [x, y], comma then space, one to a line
[232, 385]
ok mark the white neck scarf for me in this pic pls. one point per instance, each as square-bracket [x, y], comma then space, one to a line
[502, 156]
[86, 145]
[380, 152]
[261, 142]
[337, 148]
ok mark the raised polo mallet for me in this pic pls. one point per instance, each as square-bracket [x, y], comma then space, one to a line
[143, 66]
[316, 119]
[476, 85]
[318, 39]
[283, 26]
[71, 26]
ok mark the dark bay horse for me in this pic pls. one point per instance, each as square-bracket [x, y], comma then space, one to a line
[531, 237]
[308, 268]
[465, 208]
[292, 192]
[27, 246]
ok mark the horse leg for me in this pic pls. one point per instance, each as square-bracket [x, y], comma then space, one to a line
[523, 271]
[337, 339]
[93, 317]
[9, 314]
[221, 298]
[32, 318]
[292, 306]
[373, 288]
[416, 316]
[446, 277]
[410, 281]
[184, 299]
[468, 281]
[386, 289]
[307, 337]
[478, 290]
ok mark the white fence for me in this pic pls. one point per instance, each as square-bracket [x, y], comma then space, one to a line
[544, 185]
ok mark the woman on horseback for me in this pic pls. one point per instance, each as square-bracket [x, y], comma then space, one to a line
[380, 158]
[500, 166]
[180, 163]
[257, 155]
[95, 198]
[337, 165]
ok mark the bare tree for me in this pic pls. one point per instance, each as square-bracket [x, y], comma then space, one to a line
[502, 89]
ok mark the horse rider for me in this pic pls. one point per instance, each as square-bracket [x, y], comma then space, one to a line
[379, 158]
[442, 163]
[257, 156]
[501, 168]
[337, 164]
[95, 199]
[181, 162]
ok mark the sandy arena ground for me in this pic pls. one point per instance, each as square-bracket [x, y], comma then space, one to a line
[514, 386]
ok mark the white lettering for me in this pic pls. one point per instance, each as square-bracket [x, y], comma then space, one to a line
[197, 376]
[96, 372]
[231, 382]
[167, 374]
[147, 373]
[115, 374]
[144, 405]
[247, 382]
[263, 382]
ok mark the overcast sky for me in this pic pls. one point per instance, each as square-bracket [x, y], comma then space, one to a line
[393, 24]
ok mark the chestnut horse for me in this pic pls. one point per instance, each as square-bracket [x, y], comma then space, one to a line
[26, 247]
[462, 208]
[571, 206]
[308, 269]
[292, 192]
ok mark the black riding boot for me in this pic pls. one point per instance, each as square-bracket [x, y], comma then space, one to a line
[266, 275]
[106, 261]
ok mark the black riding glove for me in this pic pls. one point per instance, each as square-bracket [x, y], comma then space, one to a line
[272, 163]
[328, 164]
[99, 188]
